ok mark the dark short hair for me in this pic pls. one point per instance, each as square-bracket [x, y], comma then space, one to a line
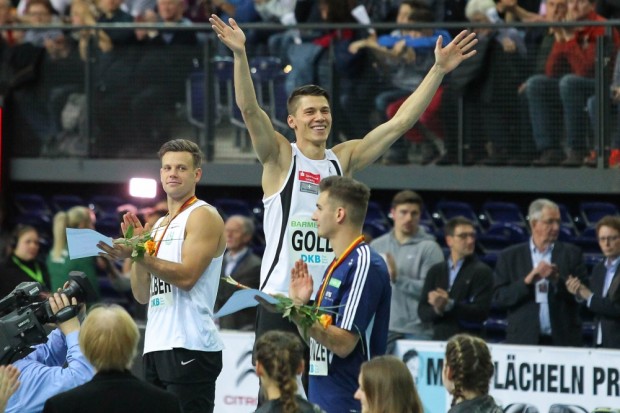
[421, 15]
[455, 222]
[407, 197]
[183, 145]
[608, 221]
[353, 194]
[307, 90]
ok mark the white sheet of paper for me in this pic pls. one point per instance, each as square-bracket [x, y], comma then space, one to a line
[243, 299]
[83, 242]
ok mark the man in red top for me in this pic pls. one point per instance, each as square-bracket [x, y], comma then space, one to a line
[565, 88]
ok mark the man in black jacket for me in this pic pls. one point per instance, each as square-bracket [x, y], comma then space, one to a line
[603, 295]
[530, 283]
[459, 290]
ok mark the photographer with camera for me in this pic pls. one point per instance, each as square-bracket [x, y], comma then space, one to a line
[42, 372]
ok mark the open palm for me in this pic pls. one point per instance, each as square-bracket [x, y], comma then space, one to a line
[459, 49]
[230, 34]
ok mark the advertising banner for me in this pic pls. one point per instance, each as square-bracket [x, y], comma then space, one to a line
[527, 378]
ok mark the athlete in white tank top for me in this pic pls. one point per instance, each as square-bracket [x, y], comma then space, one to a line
[290, 233]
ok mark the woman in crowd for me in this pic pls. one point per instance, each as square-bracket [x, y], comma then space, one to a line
[58, 261]
[279, 359]
[386, 386]
[21, 264]
[467, 370]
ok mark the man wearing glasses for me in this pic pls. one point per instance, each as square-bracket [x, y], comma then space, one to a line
[602, 297]
[530, 283]
[459, 289]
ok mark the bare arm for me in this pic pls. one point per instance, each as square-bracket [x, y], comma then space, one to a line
[204, 240]
[357, 154]
[339, 341]
[272, 149]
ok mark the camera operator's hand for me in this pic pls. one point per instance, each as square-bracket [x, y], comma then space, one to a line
[8, 384]
[58, 301]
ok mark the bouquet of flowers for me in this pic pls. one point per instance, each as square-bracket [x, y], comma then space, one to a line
[140, 244]
[304, 315]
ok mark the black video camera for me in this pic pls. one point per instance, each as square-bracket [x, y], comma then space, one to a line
[24, 312]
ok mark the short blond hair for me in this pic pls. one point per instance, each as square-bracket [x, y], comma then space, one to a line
[109, 338]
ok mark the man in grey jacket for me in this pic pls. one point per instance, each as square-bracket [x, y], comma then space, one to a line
[409, 252]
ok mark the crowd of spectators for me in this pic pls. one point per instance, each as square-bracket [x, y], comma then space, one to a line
[527, 98]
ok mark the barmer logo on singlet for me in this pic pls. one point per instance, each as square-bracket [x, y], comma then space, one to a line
[309, 182]
[305, 243]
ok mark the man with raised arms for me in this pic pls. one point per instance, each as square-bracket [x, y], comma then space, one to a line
[292, 171]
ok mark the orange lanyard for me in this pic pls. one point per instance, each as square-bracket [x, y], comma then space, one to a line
[185, 205]
[336, 262]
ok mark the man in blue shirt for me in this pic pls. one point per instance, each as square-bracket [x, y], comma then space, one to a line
[42, 374]
[355, 291]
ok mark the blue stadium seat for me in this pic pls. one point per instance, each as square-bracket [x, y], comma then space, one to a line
[109, 226]
[567, 217]
[226, 107]
[450, 209]
[497, 212]
[106, 206]
[233, 206]
[374, 229]
[375, 214]
[269, 80]
[501, 235]
[65, 202]
[27, 203]
[588, 241]
[592, 212]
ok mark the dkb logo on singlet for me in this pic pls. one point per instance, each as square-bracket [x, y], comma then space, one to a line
[306, 243]
[161, 293]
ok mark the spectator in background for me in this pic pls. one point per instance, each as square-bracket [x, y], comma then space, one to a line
[564, 90]
[409, 252]
[274, 11]
[539, 42]
[487, 87]
[459, 290]
[530, 283]
[9, 37]
[243, 266]
[614, 155]
[467, 371]
[109, 340]
[166, 60]
[43, 373]
[111, 12]
[311, 65]
[601, 295]
[279, 359]
[58, 261]
[22, 264]
[41, 13]
[404, 57]
[385, 385]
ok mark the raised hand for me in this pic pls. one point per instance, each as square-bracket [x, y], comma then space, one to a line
[131, 219]
[231, 35]
[301, 286]
[460, 48]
